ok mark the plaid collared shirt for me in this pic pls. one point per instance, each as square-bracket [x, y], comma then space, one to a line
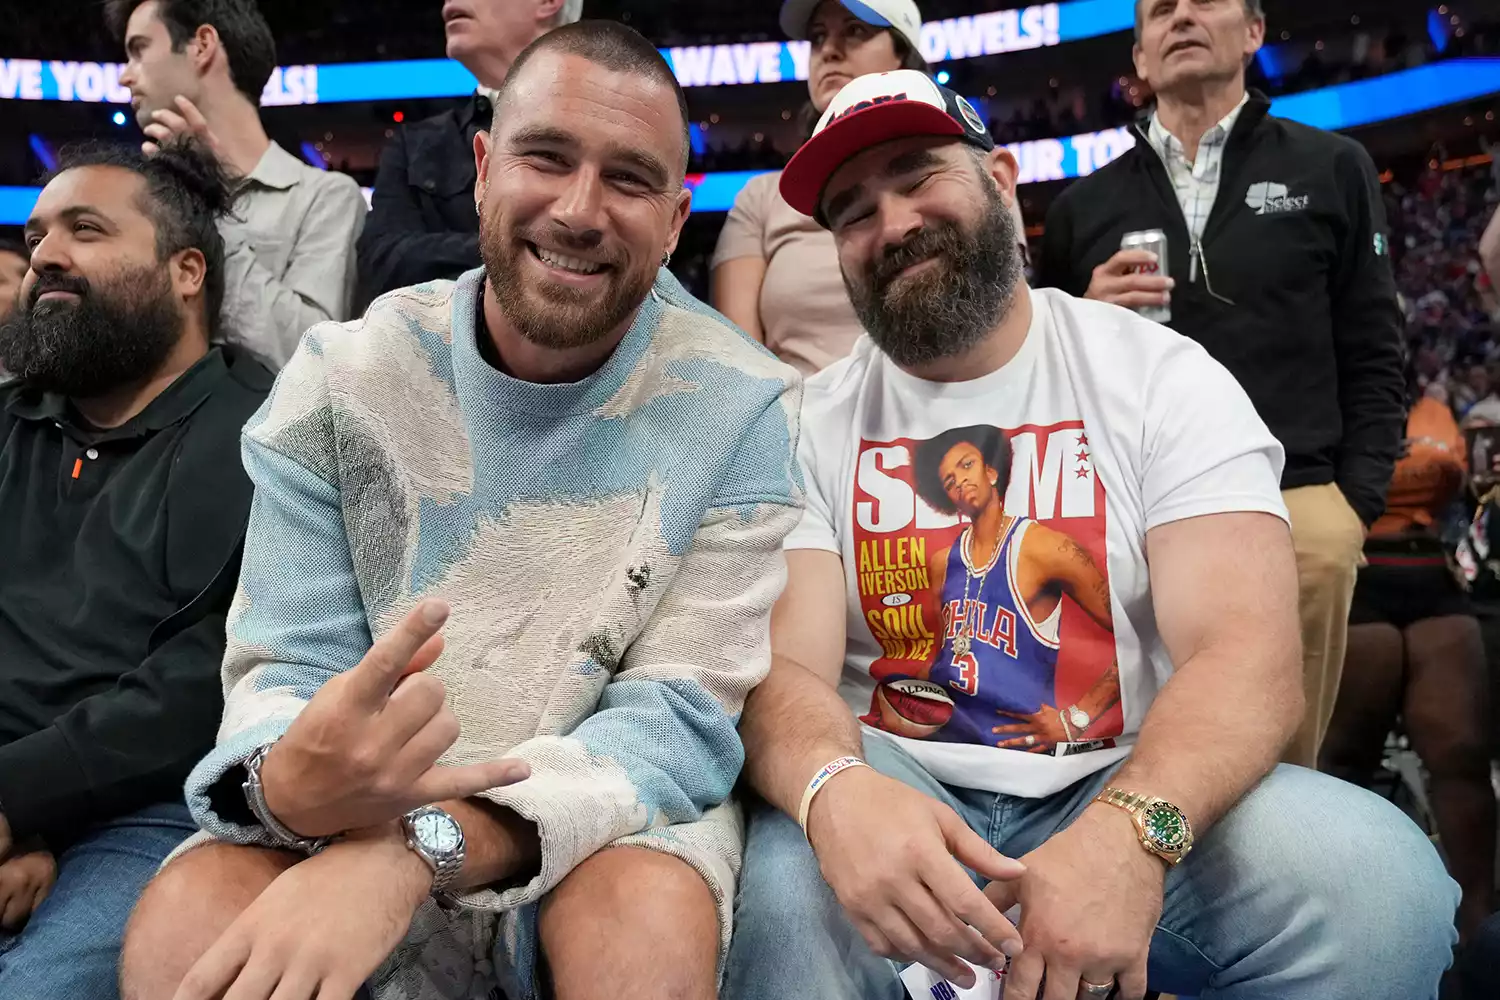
[1195, 181]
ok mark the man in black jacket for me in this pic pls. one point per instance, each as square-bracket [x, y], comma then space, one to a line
[1279, 266]
[422, 224]
[122, 509]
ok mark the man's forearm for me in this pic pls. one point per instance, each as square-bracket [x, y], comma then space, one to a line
[1217, 728]
[793, 724]
[499, 845]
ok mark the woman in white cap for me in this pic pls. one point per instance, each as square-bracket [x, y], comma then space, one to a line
[775, 271]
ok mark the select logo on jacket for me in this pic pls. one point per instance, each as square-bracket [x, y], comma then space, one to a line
[1270, 198]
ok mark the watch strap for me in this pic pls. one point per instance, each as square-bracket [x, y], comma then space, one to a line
[255, 798]
[445, 874]
[1137, 805]
[1132, 802]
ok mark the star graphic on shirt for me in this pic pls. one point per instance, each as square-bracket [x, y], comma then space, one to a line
[1083, 456]
[1083, 473]
[1083, 440]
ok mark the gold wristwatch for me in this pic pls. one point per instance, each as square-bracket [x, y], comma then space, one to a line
[1163, 828]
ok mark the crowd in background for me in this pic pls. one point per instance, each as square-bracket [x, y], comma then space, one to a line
[1452, 311]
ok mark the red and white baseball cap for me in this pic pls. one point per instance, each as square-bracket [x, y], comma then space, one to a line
[900, 15]
[871, 110]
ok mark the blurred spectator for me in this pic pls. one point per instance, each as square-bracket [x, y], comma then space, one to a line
[423, 225]
[122, 507]
[1278, 266]
[1474, 387]
[13, 264]
[197, 67]
[1486, 410]
[776, 272]
[1439, 238]
[1489, 246]
[1415, 651]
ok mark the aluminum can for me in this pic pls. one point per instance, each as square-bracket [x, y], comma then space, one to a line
[1154, 241]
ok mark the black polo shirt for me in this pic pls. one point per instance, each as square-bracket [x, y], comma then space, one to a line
[119, 555]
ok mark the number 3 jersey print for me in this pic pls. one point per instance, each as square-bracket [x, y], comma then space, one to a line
[993, 535]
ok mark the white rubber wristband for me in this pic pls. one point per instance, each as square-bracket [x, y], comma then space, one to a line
[819, 780]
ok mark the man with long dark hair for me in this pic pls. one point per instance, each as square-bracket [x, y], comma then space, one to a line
[123, 504]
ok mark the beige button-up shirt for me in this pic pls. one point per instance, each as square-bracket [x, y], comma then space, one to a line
[289, 253]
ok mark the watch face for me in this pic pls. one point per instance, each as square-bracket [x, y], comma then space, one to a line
[436, 832]
[1167, 827]
[1079, 718]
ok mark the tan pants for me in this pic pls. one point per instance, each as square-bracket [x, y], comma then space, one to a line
[1328, 538]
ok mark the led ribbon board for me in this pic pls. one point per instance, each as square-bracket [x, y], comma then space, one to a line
[1345, 106]
[985, 34]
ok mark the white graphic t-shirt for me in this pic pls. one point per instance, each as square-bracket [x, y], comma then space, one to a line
[993, 533]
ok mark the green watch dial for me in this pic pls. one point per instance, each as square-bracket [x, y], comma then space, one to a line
[1166, 826]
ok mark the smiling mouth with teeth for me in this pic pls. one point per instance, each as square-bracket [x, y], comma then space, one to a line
[563, 262]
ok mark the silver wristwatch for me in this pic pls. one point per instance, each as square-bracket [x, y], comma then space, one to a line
[1079, 719]
[438, 840]
[255, 797]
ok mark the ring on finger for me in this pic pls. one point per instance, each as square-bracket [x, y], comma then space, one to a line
[1096, 989]
[1031, 740]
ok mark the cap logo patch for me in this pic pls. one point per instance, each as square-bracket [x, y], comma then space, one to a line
[866, 105]
[971, 116]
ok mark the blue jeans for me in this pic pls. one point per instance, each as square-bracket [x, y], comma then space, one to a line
[70, 949]
[1309, 889]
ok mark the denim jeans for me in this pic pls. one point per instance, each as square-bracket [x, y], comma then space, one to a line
[70, 949]
[1309, 889]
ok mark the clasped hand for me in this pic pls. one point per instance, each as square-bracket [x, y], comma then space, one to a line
[1090, 896]
[1090, 901]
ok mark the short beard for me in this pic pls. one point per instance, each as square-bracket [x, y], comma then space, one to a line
[556, 316]
[117, 334]
[951, 307]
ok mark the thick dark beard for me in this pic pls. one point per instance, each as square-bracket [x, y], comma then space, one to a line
[555, 316]
[116, 335]
[951, 307]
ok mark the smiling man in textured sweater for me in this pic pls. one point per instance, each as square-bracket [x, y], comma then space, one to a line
[588, 476]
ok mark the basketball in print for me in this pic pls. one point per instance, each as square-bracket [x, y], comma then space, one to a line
[912, 708]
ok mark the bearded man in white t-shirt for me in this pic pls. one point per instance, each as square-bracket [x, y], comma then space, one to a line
[1132, 442]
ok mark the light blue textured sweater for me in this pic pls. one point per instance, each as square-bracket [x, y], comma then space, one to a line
[611, 550]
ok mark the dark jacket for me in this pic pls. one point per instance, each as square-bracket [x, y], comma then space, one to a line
[1297, 241]
[422, 225]
[119, 556]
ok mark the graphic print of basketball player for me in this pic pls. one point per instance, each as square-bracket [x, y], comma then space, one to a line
[1003, 583]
